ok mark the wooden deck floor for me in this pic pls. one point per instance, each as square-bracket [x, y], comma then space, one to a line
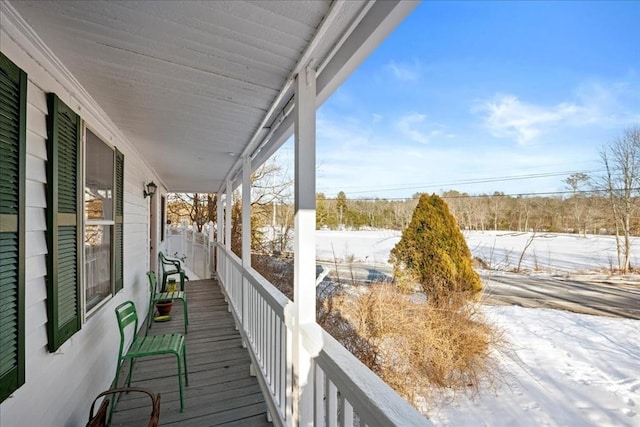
[220, 392]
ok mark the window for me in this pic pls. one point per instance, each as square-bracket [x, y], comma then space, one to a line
[104, 169]
[99, 220]
[84, 232]
[13, 107]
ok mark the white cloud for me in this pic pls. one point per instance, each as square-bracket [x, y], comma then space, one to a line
[594, 103]
[507, 116]
[347, 132]
[414, 127]
[404, 71]
[615, 104]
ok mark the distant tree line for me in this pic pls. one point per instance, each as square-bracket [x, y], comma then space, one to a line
[584, 212]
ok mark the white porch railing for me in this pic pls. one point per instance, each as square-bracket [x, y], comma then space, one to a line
[196, 248]
[345, 392]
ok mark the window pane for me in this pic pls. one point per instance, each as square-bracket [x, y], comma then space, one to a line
[97, 263]
[99, 179]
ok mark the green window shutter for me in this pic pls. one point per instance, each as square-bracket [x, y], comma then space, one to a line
[13, 108]
[63, 222]
[118, 251]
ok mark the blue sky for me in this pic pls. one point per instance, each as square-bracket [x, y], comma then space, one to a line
[480, 96]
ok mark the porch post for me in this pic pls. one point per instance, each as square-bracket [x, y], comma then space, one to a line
[228, 273]
[227, 218]
[210, 247]
[246, 212]
[304, 290]
[220, 219]
[246, 230]
[219, 236]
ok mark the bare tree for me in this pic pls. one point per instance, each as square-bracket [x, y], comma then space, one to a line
[196, 207]
[526, 246]
[621, 159]
[271, 188]
[341, 206]
[497, 206]
[575, 182]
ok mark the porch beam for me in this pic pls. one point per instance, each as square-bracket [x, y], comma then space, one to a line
[304, 289]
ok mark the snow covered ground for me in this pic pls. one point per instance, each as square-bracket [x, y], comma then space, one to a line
[548, 252]
[362, 246]
[501, 250]
[561, 368]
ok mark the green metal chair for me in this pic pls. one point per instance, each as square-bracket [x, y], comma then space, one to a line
[151, 345]
[171, 266]
[165, 296]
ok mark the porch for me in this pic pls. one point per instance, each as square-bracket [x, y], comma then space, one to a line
[220, 392]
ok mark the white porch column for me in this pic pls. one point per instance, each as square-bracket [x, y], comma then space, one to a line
[210, 247]
[304, 290]
[246, 212]
[219, 236]
[246, 229]
[220, 219]
[227, 218]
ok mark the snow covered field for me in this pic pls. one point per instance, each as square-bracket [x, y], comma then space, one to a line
[561, 368]
[501, 250]
[548, 252]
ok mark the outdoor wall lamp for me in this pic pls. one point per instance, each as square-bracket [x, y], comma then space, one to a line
[151, 190]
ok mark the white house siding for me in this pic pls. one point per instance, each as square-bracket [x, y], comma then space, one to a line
[60, 386]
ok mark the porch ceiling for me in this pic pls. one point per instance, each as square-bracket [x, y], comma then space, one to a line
[193, 85]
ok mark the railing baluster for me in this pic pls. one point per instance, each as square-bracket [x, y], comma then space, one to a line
[331, 403]
[262, 334]
[270, 349]
[318, 379]
[278, 362]
[346, 412]
[273, 348]
[288, 392]
[281, 365]
[256, 318]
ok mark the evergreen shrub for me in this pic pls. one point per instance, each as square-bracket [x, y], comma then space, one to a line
[433, 252]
